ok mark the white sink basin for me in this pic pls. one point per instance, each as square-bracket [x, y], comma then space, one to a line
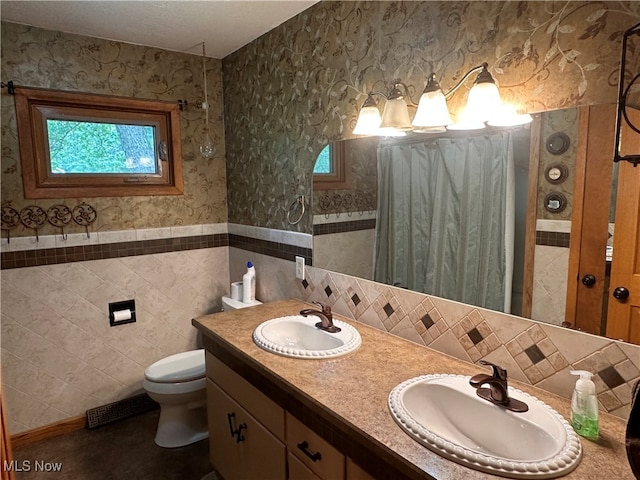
[444, 414]
[297, 336]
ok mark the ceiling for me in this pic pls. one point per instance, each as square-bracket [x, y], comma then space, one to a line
[177, 25]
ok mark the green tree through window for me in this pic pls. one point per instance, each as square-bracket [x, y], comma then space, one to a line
[100, 148]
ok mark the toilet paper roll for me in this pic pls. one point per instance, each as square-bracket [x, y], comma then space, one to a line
[120, 315]
[236, 291]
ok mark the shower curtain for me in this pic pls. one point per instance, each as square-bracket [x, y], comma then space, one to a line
[446, 217]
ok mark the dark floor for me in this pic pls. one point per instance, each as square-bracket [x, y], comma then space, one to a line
[123, 450]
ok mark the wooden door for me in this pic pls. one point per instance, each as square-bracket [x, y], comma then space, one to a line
[623, 318]
[6, 465]
[590, 217]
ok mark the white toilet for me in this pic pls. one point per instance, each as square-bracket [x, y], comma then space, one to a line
[178, 384]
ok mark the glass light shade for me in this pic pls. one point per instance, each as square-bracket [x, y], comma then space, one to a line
[507, 116]
[466, 121]
[484, 99]
[395, 117]
[368, 122]
[432, 111]
[207, 150]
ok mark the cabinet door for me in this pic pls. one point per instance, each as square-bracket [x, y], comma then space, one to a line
[299, 471]
[355, 472]
[240, 448]
[313, 451]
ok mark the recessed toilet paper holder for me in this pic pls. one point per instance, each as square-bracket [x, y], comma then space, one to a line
[122, 312]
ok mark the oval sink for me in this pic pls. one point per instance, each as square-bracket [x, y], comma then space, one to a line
[297, 336]
[443, 413]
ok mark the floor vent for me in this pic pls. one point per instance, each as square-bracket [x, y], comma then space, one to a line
[112, 412]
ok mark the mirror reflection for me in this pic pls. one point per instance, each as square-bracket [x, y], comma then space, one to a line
[423, 213]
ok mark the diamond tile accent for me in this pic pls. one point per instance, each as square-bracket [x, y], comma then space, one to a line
[475, 336]
[535, 354]
[427, 321]
[388, 309]
[355, 299]
[611, 377]
[328, 291]
[305, 284]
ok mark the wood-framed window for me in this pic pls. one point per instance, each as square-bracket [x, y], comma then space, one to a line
[75, 145]
[331, 171]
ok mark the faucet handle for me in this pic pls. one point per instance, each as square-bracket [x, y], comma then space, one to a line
[325, 308]
[498, 371]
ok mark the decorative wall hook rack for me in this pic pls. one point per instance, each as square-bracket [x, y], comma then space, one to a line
[11, 89]
[84, 215]
[59, 216]
[338, 203]
[33, 217]
[10, 220]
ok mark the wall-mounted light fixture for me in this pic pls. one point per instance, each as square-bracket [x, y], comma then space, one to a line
[484, 106]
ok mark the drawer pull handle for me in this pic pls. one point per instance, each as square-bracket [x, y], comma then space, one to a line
[304, 446]
[236, 432]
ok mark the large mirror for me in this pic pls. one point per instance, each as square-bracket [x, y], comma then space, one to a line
[357, 232]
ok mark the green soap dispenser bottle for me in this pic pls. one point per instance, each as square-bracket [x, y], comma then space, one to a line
[584, 406]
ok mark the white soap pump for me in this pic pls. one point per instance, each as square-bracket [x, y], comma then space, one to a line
[584, 406]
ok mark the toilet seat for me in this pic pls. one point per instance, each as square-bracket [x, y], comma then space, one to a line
[176, 388]
[178, 368]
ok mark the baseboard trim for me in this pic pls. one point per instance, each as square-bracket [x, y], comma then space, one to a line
[48, 431]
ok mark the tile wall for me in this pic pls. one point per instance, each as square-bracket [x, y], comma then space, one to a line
[536, 353]
[551, 267]
[60, 357]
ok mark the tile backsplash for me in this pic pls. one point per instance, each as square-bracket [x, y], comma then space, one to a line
[535, 353]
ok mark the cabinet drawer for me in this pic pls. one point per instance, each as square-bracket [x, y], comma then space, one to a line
[314, 452]
[298, 470]
[265, 410]
[239, 447]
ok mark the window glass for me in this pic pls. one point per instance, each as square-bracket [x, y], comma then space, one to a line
[99, 148]
[323, 162]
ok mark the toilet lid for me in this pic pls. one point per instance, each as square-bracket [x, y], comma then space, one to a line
[180, 367]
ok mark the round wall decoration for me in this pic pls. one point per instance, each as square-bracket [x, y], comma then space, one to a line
[555, 202]
[558, 143]
[557, 173]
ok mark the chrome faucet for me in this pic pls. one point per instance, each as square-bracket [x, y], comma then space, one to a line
[326, 318]
[498, 391]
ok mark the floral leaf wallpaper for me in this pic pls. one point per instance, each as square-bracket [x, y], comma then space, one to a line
[298, 87]
[35, 57]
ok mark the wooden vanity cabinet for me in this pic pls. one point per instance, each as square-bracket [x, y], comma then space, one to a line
[246, 428]
[355, 472]
[251, 437]
[313, 451]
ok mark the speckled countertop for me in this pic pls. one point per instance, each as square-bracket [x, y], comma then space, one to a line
[345, 399]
